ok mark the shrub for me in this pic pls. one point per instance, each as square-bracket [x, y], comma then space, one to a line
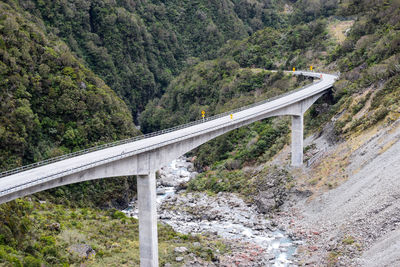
[118, 215]
[30, 261]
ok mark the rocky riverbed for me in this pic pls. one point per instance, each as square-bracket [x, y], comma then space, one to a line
[253, 239]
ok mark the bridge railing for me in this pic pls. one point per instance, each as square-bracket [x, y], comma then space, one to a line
[149, 135]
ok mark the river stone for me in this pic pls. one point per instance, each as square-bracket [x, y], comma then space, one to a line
[180, 249]
[179, 259]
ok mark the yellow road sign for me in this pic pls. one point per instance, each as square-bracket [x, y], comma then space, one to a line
[294, 69]
[310, 67]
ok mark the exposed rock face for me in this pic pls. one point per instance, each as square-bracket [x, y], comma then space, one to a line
[331, 135]
[272, 190]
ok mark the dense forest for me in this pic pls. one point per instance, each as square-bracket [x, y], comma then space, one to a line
[137, 47]
[74, 74]
[50, 102]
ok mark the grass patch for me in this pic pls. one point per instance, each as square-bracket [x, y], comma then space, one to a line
[348, 240]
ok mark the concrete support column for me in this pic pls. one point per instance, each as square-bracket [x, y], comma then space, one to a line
[297, 140]
[148, 242]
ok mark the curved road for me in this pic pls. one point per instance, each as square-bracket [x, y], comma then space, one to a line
[35, 176]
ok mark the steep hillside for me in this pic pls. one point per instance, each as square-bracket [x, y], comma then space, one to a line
[51, 104]
[355, 159]
[369, 64]
[357, 219]
[299, 46]
[137, 47]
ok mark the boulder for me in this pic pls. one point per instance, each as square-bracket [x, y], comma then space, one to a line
[265, 201]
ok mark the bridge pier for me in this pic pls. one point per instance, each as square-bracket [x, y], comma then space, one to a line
[297, 140]
[148, 240]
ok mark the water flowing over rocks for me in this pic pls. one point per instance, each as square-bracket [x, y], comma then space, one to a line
[198, 212]
[178, 172]
[252, 238]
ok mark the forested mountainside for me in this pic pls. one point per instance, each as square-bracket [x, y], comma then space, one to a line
[50, 102]
[138, 47]
[300, 46]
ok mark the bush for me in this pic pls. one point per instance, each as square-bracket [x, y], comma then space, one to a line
[118, 215]
[30, 261]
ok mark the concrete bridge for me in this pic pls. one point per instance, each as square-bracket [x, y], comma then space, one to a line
[143, 156]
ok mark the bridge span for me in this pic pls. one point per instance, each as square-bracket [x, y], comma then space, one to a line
[143, 156]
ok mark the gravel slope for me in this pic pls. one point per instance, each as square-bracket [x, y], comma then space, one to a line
[357, 223]
[385, 252]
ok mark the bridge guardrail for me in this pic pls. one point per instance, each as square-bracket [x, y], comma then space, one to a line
[149, 135]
